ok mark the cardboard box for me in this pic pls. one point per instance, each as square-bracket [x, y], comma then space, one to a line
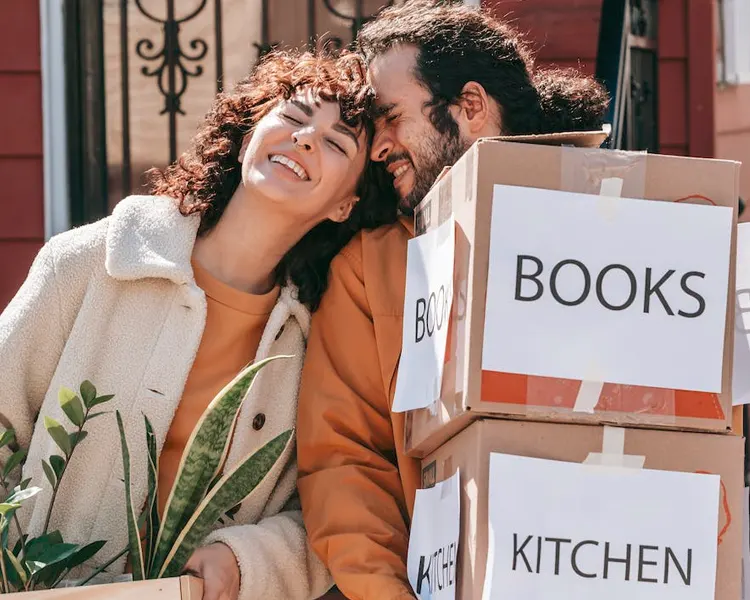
[466, 192]
[173, 588]
[470, 452]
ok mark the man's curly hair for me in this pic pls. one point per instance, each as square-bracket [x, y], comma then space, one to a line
[206, 176]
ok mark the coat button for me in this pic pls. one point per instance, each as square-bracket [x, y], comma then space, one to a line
[259, 421]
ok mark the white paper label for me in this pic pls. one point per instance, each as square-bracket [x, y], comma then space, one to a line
[594, 288]
[567, 530]
[427, 309]
[433, 541]
[741, 364]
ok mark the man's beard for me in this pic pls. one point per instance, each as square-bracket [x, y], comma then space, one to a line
[442, 150]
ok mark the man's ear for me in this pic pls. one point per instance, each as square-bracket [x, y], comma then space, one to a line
[473, 109]
[342, 212]
[243, 148]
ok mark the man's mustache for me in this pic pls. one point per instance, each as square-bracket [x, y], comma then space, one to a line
[392, 158]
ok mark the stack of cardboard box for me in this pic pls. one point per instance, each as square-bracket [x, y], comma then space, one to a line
[511, 386]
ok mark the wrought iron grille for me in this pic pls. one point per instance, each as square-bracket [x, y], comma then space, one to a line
[627, 64]
[133, 66]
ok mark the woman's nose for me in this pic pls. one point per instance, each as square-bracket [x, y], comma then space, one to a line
[304, 141]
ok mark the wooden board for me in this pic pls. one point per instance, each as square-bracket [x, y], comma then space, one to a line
[176, 588]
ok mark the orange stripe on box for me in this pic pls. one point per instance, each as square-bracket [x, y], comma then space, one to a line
[510, 388]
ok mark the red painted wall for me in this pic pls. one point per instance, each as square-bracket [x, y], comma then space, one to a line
[565, 33]
[22, 189]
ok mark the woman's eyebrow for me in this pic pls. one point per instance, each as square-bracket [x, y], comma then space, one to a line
[341, 128]
[303, 106]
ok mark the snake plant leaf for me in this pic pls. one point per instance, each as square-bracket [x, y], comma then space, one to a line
[228, 492]
[58, 434]
[7, 437]
[152, 507]
[72, 406]
[203, 458]
[8, 508]
[88, 393]
[15, 459]
[136, 551]
[21, 577]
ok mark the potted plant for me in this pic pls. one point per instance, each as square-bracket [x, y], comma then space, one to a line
[158, 549]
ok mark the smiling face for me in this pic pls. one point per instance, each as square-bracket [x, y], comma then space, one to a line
[413, 150]
[304, 158]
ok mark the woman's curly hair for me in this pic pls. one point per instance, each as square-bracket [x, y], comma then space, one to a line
[206, 176]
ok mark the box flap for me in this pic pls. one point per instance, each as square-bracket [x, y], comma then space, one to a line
[581, 139]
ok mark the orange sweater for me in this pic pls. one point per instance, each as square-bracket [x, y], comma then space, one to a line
[356, 485]
[235, 322]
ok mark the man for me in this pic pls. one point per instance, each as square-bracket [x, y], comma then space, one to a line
[445, 75]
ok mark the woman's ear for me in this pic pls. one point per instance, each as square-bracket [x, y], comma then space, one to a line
[342, 212]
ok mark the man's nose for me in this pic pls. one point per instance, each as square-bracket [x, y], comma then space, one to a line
[382, 145]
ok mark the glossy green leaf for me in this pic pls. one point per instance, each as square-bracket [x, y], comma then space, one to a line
[77, 437]
[88, 393]
[58, 464]
[7, 437]
[72, 406]
[203, 458]
[136, 550]
[229, 491]
[85, 553]
[19, 544]
[15, 459]
[101, 400]
[98, 414]
[35, 546]
[51, 555]
[19, 495]
[49, 473]
[58, 434]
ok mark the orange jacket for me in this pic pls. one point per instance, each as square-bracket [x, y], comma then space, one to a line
[356, 485]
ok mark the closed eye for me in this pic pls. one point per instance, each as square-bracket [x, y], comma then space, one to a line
[338, 147]
[292, 119]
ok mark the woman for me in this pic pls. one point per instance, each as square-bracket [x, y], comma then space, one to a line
[163, 302]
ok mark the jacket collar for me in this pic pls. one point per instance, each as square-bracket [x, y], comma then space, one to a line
[149, 237]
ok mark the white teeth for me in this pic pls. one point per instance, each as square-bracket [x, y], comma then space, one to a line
[400, 171]
[298, 170]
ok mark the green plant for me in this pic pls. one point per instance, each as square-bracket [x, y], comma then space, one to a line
[44, 561]
[202, 493]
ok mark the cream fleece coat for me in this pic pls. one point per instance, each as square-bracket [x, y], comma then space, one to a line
[116, 303]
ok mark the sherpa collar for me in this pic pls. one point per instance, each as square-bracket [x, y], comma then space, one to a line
[149, 237]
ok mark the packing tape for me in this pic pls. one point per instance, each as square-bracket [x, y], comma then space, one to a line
[613, 451]
[590, 391]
